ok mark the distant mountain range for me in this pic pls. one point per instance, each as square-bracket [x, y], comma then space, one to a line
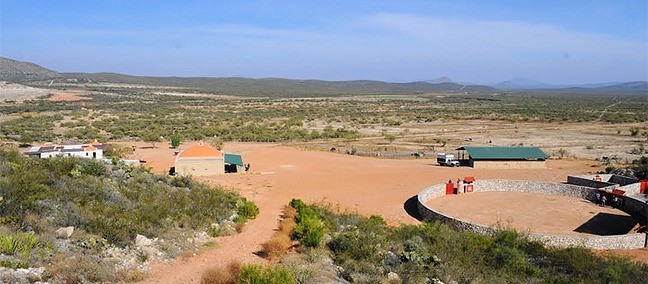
[30, 73]
[527, 84]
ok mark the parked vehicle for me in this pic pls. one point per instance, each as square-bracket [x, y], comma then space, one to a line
[444, 159]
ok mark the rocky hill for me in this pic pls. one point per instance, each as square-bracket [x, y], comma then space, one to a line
[18, 71]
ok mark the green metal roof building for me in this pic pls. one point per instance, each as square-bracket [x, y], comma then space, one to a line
[503, 157]
[234, 163]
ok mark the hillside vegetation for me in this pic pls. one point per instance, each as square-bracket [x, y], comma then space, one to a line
[366, 250]
[131, 114]
[120, 216]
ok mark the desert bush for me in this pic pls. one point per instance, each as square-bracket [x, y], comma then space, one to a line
[78, 269]
[110, 204]
[310, 229]
[287, 226]
[277, 246]
[256, 274]
[367, 249]
[21, 243]
[289, 212]
[117, 151]
[222, 275]
[246, 210]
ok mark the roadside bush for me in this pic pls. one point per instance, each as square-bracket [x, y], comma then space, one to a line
[256, 274]
[246, 210]
[367, 250]
[276, 247]
[222, 275]
[310, 229]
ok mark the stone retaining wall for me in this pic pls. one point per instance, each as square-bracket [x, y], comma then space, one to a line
[588, 182]
[627, 241]
[622, 180]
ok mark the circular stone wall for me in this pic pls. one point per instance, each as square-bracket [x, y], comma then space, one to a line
[624, 241]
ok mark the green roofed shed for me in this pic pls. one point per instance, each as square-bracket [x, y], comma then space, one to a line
[504, 153]
[234, 159]
[504, 157]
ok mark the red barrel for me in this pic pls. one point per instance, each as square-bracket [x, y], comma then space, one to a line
[449, 188]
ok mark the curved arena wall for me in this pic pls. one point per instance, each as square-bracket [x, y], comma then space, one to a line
[626, 241]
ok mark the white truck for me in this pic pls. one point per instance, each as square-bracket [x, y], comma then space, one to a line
[447, 160]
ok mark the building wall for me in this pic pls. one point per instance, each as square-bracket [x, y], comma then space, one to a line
[80, 154]
[200, 166]
[508, 164]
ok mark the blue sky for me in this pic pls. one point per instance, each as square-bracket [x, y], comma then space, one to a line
[471, 41]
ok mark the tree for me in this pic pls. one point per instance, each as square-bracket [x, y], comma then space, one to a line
[175, 141]
[562, 153]
[151, 137]
[216, 142]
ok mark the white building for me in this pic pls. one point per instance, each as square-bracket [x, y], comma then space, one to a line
[93, 150]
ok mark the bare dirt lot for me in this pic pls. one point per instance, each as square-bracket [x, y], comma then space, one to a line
[19, 93]
[535, 212]
[67, 97]
[361, 184]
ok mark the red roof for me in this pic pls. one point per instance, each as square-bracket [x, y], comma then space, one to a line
[201, 151]
[469, 179]
[89, 148]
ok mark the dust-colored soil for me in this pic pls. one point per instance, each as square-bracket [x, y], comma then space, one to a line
[19, 93]
[535, 212]
[67, 97]
[362, 184]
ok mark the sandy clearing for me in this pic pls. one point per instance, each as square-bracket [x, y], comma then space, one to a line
[362, 184]
[549, 214]
[67, 97]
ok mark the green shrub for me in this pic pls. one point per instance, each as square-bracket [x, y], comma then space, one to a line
[256, 274]
[246, 210]
[367, 249]
[175, 141]
[310, 229]
[108, 205]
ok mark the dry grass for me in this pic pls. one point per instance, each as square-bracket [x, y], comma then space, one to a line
[280, 242]
[289, 212]
[222, 275]
[287, 226]
[277, 246]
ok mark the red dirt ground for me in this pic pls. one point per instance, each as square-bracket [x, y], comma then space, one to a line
[550, 214]
[362, 184]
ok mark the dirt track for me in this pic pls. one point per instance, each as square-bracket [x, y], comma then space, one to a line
[362, 184]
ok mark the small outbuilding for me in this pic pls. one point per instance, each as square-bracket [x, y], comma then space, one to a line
[503, 157]
[200, 160]
[234, 163]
